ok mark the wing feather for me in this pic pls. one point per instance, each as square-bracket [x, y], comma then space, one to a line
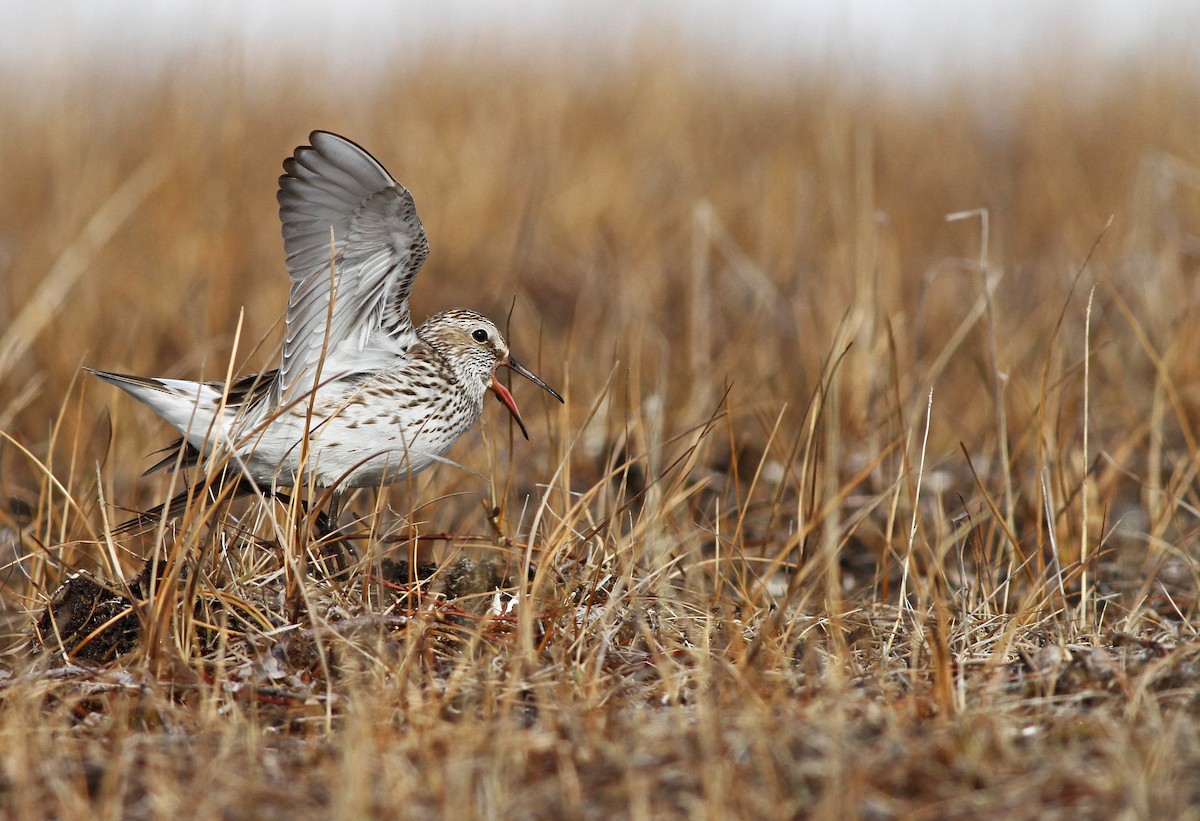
[337, 202]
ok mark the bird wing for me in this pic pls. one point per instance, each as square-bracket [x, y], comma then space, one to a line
[337, 202]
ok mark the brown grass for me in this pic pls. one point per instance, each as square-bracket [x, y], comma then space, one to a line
[763, 571]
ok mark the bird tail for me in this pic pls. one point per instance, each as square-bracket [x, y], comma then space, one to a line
[190, 407]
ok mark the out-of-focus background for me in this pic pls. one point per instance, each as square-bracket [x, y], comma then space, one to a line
[575, 154]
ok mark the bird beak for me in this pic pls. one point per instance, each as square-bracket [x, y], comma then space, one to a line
[506, 398]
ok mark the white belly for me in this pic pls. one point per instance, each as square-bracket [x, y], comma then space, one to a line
[351, 448]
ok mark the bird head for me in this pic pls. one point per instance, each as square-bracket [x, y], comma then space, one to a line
[476, 350]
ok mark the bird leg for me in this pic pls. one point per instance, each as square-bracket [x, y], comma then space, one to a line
[326, 520]
[326, 531]
[333, 546]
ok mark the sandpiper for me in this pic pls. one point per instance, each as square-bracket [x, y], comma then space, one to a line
[361, 398]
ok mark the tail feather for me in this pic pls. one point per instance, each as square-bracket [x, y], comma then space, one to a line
[128, 382]
[190, 407]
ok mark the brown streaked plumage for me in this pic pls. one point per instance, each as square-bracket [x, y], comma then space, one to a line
[386, 399]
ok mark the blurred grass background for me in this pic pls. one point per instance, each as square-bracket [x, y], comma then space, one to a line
[583, 199]
[671, 230]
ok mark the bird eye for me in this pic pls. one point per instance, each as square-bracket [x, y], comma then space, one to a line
[480, 335]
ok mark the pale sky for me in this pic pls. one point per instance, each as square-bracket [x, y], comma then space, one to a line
[915, 41]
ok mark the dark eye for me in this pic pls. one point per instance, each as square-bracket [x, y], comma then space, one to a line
[480, 335]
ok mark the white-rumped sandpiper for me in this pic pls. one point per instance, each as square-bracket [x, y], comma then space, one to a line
[361, 398]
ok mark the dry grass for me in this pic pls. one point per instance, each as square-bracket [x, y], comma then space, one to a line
[753, 568]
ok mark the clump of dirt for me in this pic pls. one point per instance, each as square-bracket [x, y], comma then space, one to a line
[471, 578]
[398, 573]
[90, 619]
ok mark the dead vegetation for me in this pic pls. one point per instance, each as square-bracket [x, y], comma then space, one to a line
[851, 511]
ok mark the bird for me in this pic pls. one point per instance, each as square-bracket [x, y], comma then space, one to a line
[361, 397]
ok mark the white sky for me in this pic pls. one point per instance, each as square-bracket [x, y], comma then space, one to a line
[916, 41]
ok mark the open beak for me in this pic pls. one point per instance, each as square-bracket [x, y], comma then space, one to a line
[506, 398]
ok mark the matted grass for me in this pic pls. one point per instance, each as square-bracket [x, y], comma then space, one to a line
[851, 511]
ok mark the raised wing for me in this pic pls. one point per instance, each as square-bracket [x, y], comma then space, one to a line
[336, 202]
